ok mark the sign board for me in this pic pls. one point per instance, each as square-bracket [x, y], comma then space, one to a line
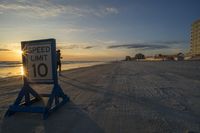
[39, 60]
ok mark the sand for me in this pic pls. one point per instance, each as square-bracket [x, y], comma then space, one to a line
[120, 97]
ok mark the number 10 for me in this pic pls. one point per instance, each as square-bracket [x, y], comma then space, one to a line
[37, 70]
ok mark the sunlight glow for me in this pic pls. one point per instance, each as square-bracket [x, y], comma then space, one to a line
[22, 70]
[20, 52]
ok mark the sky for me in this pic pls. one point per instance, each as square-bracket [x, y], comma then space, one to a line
[98, 30]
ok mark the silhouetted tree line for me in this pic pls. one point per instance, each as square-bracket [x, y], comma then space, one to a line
[140, 56]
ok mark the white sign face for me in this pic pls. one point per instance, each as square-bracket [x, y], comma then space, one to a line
[39, 62]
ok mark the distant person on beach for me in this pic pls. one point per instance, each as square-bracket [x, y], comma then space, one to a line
[58, 54]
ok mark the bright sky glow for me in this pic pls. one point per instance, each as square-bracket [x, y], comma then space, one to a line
[98, 29]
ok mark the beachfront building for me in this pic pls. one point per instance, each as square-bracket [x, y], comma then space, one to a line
[195, 39]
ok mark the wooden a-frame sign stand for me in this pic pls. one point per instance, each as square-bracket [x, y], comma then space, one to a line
[27, 96]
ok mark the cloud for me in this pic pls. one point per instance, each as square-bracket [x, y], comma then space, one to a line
[76, 46]
[37, 8]
[104, 11]
[143, 46]
[171, 42]
[72, 46]
[89, 47]
[111, 10]
[4, 50]
[44, 8]
[85, 29]
[107, 41]
[156, 45]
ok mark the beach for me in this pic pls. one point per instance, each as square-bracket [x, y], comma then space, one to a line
[118, 97]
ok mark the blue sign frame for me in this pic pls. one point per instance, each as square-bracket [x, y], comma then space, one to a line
[57, 97]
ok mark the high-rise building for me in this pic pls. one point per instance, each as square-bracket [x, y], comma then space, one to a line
[195, 39]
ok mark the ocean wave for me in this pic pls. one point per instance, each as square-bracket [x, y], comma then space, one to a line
[10, 64]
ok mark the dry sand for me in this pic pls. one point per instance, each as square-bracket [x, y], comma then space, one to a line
[122, 97]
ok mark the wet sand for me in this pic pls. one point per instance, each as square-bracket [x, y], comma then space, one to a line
[121, 97]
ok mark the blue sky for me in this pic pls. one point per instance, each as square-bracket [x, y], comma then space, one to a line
[99, 29]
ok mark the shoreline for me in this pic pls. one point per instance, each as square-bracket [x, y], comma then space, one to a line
[109, 62]
[68, 67]
[102, 62]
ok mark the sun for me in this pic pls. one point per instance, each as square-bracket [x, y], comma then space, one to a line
[20, 52]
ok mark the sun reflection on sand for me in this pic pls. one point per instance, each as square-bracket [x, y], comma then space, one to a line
[22, 70]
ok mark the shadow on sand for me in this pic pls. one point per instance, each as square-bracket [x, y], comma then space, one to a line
[67, 119]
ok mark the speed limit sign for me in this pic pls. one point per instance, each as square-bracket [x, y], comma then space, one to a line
[40, 67]
[39, 60]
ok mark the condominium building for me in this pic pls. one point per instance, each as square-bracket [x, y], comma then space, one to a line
[195, 39]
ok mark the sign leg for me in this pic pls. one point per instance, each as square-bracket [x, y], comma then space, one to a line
[25, 93]
[56, 95]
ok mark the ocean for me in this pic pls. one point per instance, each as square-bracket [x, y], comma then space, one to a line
[14, 68]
